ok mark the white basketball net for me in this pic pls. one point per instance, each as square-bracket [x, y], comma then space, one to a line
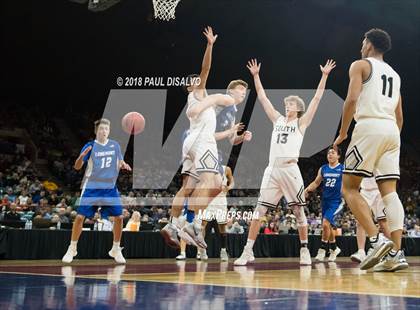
[165, 9]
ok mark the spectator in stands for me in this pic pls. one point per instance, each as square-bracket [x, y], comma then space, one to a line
[53, 200]
[5, 201]
[10, 194]
[235, 228]
[38, 196]
[134, 222]
[12, 215]
[415, 232]
[73, 215]
[62, 216]
[62, 203]
[23, 198]
[271, 229]
[47, 213]
[126, 217]
[145, 219]
[35, 187]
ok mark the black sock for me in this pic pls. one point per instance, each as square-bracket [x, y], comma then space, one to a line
[223, 238]
[304, 245]
[324, 245]
[333, 246]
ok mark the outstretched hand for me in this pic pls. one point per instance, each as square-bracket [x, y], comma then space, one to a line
[328, 67]
[254, 67]
[208, 33]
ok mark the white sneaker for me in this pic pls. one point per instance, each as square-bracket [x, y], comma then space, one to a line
[246, 257]
[358, 256]
[181, 257]
[380, 248]
[305, 256]
[68, 257]
[170, 235]
[334, 254]
[391, 264]
[224, 255]
[117, 255]
[203, 254]
[320, 256]
[196, 235]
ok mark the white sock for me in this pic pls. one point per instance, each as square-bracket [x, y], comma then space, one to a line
[115, 245]
[361, 251]
[183, 254]
[73, 244]
[249, 245]
[394, 211]
[223, 249]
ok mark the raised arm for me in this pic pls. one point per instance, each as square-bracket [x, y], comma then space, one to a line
[268, 107]
[307, 118]
[208, 102]
[206, 65]
[356, 73]
[315, 183]
[399, 114]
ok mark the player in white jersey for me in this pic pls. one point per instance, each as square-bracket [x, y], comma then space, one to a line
[217, 211]
[282, 177]
[374, 100]
[200, 152]
[370, 192]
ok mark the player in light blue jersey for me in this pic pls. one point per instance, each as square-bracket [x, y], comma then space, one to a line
[330, 176]
[104, 160]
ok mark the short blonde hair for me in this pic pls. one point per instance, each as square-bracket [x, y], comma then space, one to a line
[299, 103]
[236, 83]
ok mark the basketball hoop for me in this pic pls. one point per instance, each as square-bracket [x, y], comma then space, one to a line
[165, 9]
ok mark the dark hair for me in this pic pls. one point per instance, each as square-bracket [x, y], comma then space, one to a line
[101, 121]
[190, 79]
[337, 149]
[380, 39]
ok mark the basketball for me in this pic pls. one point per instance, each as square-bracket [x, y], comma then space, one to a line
[133, 123]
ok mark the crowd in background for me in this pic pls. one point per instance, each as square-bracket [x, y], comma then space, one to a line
[27, 195]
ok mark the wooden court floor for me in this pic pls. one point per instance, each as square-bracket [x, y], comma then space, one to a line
[266, 283]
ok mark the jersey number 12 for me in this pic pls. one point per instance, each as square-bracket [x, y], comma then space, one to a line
[106, 162]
